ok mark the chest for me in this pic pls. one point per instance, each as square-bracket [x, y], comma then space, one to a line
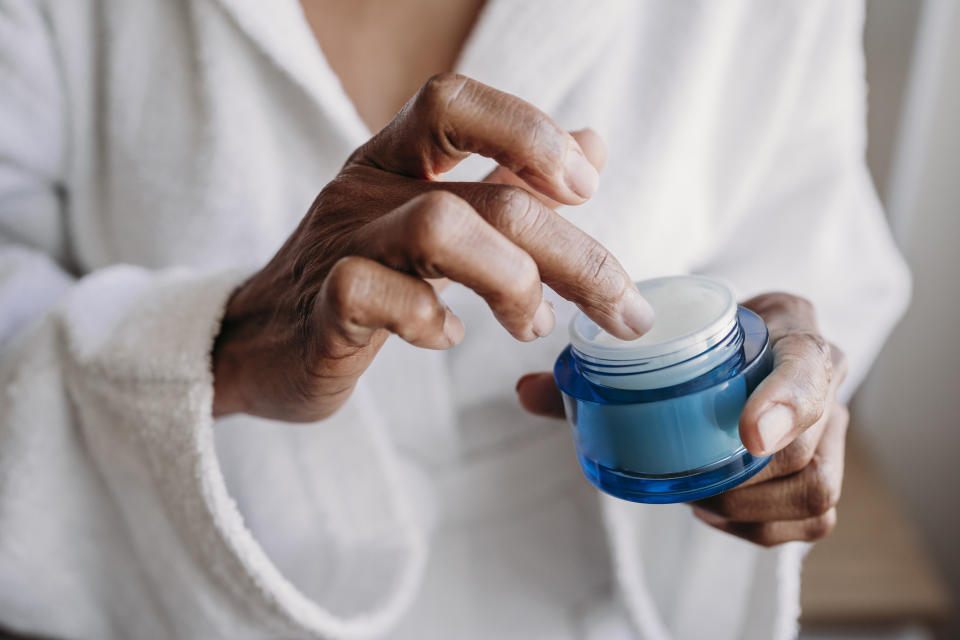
[383, 51]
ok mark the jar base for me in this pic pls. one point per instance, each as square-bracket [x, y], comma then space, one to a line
[685, 487]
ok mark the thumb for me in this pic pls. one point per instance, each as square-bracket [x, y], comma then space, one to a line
[593, 148]
[538, 394]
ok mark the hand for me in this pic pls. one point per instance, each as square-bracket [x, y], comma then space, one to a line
[793, 413]
[298, 334]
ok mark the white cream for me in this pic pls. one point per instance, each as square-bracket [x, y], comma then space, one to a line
[682, 307]
[693, 314]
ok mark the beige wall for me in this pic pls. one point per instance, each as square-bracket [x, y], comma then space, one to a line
[909, 407]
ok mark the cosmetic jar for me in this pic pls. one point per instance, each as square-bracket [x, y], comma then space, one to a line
[656, 419]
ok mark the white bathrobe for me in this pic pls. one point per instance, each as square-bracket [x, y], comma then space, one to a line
[155, 152]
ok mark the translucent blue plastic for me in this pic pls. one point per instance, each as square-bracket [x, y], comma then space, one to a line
[672, 444]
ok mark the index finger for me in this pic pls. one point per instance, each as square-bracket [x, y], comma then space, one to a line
[452, 116]
[593, 147]
[570, 261]
[596, 152]
[793, 397]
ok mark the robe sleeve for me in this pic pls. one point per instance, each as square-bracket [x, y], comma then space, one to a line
[115, 520]
[811, 223]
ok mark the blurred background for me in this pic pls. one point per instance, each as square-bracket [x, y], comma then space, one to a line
[892, 569]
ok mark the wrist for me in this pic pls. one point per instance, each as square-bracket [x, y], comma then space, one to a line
[231, 354]
[227, 398]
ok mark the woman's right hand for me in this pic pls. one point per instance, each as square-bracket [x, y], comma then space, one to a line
[298, 334]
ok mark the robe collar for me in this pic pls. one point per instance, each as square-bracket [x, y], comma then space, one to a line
[537, 49]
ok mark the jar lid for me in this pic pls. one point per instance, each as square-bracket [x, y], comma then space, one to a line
[693, 313]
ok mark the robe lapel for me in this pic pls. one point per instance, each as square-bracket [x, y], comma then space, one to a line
[539, 49]
[279, 28]
[536, 49]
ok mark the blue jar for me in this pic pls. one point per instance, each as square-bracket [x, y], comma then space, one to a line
[657, 419]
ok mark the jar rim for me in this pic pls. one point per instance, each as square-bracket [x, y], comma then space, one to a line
[718, 317]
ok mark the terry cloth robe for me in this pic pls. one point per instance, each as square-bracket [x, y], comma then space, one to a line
[154, 153]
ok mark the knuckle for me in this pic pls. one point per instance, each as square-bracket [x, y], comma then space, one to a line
[802, 307]
[440, 199]
[346, 285]
[839, 360]
[599, 280]
[595, 272]
[759, 533]
[549, 142]
[777, 300]
[805, 342]
[434, 218]
[797, 456]
[440, 90]
[821, 526]
[724, 505]
[538, 123]
[526, 280]
[821, 492]
[765, 537]
[805, 357]
[514, 211]
[424, 312]
[796, 307]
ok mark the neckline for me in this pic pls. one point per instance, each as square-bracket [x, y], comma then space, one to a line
[285, 37]
[536, 49]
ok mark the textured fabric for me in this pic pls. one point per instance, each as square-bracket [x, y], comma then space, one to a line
[153, 153]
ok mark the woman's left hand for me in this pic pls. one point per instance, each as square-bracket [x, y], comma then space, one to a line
[793, 414]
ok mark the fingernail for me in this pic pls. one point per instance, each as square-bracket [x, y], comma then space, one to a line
[543, 319]
[580, 175]
[636, 312]
[453, 327]
[774, 425]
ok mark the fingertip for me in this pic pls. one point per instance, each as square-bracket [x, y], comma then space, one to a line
[522, 380]
[579, 175]
[538, 394]
[544, 319]
[453, 327]
[522, 335]
[529, 329]
[631, 318]
[708, 517]
[593, 146]
[749, 414]
[750, 439]
[772, 394]
[772, 430]
[636, 313]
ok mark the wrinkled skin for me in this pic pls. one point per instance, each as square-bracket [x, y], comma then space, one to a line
[297, 335]
[386, 234]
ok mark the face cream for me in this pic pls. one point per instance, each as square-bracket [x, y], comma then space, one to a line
[656, 419]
